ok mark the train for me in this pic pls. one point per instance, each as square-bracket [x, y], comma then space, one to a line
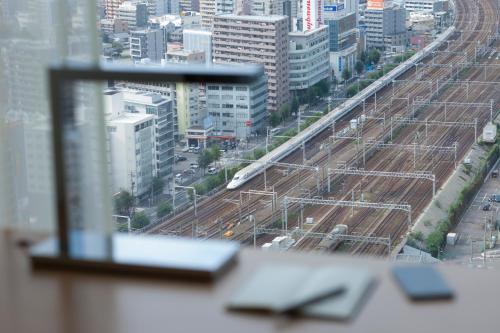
[252, 170]
[490, 133]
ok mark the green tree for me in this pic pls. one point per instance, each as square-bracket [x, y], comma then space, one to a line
[163, 209]
[139, 221]
[363, 57]
[123, 202]
[346, 74]
[274, 119]
[117, 46]
[358, 67]
[374, 56]
[157, 185]
[295, 105]
[284, 112]
[215, 153]
[204, 160]
[310, 95]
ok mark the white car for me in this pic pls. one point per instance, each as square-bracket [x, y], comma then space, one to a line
[178, 178]
[212, 171]
[185, 149]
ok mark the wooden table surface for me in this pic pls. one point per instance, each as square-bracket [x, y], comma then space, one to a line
[55, 302]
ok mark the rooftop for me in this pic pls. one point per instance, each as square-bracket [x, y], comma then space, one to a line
[269, 18]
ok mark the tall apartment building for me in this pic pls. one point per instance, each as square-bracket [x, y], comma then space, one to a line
[134, 14]
[385, 25]
[131, 141]
[256, 39]
[419, 5]
[111, 7]
[147, 43]
[207, 12]
[162, 111]
[190, 112]
[342, 37]
[309, 58]
[238, 111]
[163, 7]
[225, 6]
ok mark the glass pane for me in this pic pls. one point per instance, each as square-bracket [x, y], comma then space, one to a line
[33, 35]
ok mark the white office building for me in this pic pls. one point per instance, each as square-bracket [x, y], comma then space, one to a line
[420, 5]
[238, 111]
[162, 111]
[198, 40]
[309, 57]
[131, 142]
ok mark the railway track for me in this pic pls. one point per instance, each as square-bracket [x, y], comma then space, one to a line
[219, 212]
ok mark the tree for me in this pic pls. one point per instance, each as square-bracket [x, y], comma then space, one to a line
[204, 160]
[358, 67]
[117, 46]
[374, 56]
[295, 105]
[274, 119]
[163, 209]
[363, 57]
[139, 221]
[284, 112]
[157, 185]
[123, 202]
[215, 153]
[346, 74]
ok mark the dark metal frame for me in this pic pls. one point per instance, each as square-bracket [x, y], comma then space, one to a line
[62, 80]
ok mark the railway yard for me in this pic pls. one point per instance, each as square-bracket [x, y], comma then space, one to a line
[375, 175]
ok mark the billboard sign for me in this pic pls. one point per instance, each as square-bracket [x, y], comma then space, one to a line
[377, 4]
[333, 7]
[310, 14]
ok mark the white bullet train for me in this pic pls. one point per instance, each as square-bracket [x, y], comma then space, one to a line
[250, 171]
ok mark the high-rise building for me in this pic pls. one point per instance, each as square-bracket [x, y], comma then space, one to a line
[131, 146]
[111, 7]
[225, 6]
[342, 37]
[207, 12]
[148, 44]
[162, 111]
[134, 14]
[238, 111]
[385, 26]
[164, 7]
[424, 5]
[309, 58]
[256, 39]
[198, 40]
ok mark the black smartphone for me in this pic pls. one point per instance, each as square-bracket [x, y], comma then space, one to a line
[422, 282]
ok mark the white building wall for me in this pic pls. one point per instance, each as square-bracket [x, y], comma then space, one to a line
[309, 58]
[131, 152]
[198, 40]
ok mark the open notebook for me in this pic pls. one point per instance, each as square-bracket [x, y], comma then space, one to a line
[274, 288]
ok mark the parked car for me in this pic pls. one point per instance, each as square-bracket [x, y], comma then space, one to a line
[185, 149]
[494, 198]
[194, 166]
[196, 150]
[181, 158]
[189, 172]
[212, 171]
[178, 178]
[494, 174]
[487, 207]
